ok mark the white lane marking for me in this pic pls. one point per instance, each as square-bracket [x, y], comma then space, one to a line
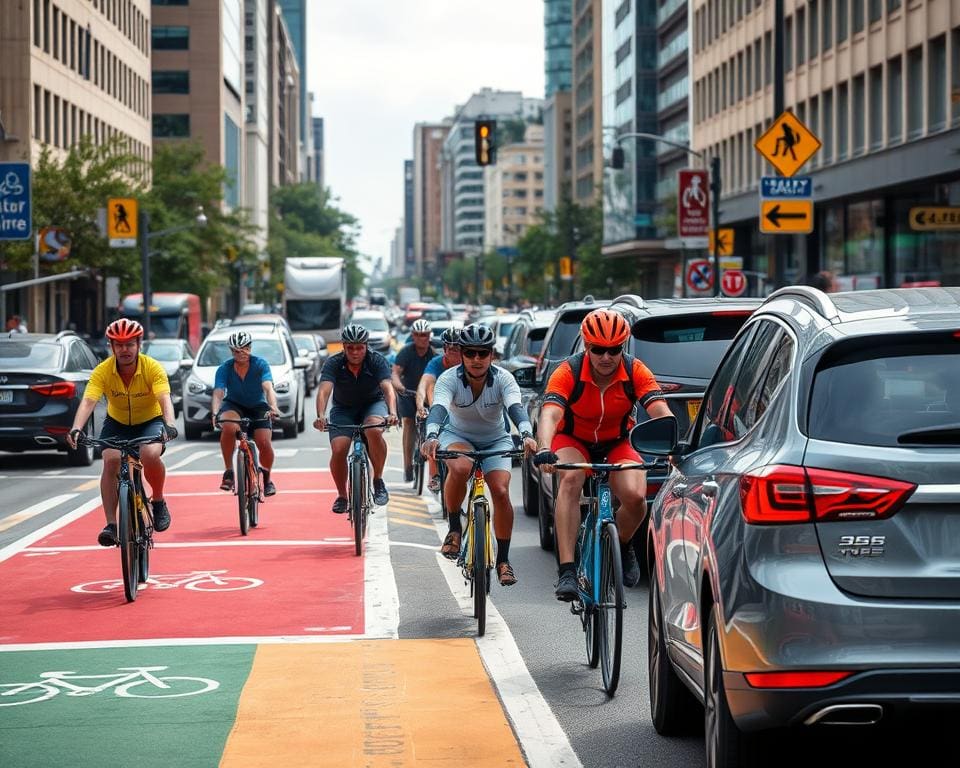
[228, 494]
[381, 601]
[34, 510]
[191, 458]
[327, 629]
[541, 736]
[414, 545]
[285, 453]
[196, 544]
[22, 543]
[172, 449]
[186, 641]
[182, 473]
[55, 472]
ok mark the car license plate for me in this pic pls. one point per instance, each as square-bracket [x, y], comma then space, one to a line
[6, 395]
[693, 408]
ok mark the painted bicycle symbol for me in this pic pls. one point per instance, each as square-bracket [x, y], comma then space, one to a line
[198, 581]
[126, 682]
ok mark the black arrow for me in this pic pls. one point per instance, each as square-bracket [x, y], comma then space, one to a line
[774, 216]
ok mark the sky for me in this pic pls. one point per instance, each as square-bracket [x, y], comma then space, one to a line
[377, 67]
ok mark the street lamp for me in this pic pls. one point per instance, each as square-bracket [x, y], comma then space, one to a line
[145, 237]
[617, 162]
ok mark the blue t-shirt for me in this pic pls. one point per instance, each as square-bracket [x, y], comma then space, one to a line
[435, 367]
[247, 391]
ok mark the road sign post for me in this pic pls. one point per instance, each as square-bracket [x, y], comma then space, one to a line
[16, 198]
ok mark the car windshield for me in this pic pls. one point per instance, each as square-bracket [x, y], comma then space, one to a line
[373, 323]
[688, 346]
[535, 340]
[26, 355]
[436, 314]
[216, 352]
[304, 343]
[564, 335]
[165, 353]
[888, 394]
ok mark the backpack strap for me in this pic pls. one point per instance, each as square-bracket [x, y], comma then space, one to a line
[576, 367]
[630, 391]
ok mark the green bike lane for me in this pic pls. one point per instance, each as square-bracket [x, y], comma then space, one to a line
[304, 668]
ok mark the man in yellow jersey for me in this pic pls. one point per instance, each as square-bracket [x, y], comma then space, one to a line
[138, 405]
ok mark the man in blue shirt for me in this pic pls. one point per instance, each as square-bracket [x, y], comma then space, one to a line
[243, 387]
[359, 381]
[407, 370]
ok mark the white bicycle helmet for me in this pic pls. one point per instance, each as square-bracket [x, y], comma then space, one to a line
[354, 333]
[420, 326]
[239, 340]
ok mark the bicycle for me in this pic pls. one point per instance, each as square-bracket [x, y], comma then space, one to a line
[359, 487]
[418, 439]
[601, 600]
[476, 545]
[248, 480]
[134, 516]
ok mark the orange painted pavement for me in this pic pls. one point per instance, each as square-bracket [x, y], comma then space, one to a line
[371, 704]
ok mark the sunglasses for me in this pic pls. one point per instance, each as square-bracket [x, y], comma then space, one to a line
[611, 351]
[355, 347]
[472, 353]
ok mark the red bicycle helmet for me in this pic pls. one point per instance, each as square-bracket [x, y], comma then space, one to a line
[605, 328]
[124, 329]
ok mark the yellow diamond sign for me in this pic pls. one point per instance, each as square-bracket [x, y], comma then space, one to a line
[787, 144]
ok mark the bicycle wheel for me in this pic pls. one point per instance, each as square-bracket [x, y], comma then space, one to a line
[481, 573]
[143, 543]
[357, 503]
[176, 687]
[610, 607]
[589, 617]
[128, 543]
[26, 693]
[242, 482]
[254, 479]
[419, 463]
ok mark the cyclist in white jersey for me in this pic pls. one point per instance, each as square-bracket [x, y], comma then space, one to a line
[467, 414]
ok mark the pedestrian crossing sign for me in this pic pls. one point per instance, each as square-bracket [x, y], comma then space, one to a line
[122, 222]
[787, 144]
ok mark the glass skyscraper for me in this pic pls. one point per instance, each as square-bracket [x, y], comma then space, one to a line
[295, 17]
[558, 30]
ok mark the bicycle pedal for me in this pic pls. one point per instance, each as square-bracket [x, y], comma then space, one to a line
[576, 608]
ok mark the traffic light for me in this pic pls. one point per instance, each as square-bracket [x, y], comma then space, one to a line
[484, 139]
[617, 159]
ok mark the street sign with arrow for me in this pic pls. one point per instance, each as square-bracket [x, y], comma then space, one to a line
[779, 217]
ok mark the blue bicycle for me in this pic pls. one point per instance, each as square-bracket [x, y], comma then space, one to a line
[601, 600]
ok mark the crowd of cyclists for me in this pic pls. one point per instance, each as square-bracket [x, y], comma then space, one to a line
[467, 401]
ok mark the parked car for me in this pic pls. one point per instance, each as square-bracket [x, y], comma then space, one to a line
[272, 343]
[523, 346]
[804, 567]
[177, 360]
[501, 325]
[376, 323]
[308, 345]
[42, 381]
[681, 341]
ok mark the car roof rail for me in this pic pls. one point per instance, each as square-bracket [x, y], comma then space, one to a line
[810, 297]
[62, 334]
[630, 298]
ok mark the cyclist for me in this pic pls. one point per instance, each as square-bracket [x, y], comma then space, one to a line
[138, 405]
[437, 365]
[407, 370]
[586, 416]
[243, 387]
[359, 380]
[468, 403]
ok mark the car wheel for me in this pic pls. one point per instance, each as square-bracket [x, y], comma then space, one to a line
[531, 491]
[192, 431]
[545, 516]
[727, 746]
[84, 454]
[672, 707]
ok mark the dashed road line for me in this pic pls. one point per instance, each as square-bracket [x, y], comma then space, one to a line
[411, 523]
[36, 509]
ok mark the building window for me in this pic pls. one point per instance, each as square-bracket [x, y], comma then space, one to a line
[37, 111]
[757, 76]
[874, 10]
[171, 38]
[815, 126]
[843, 118]
[955, 72]
[788, 44]
[842, 21]
[827, 25]
[801, 37]
[56, 121]
[827, 133]
[814, 28]
[857, 16]
[915, 92]
[892, 5]
[937, 82]
[170, 2]
[171, 81]
[894, 100]
[171, 126]
[768, 58]
[876, 107]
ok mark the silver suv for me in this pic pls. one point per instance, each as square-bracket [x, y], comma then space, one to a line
[805, 551]
[276, 346]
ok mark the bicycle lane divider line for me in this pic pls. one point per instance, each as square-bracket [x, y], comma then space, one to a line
[544, 741]
[381, 601]
[184, 724]
[372, 703]
[34, 509]
[52, 527]
[192, 458]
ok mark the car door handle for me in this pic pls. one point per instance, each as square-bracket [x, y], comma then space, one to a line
[679, 490]
[709, 489]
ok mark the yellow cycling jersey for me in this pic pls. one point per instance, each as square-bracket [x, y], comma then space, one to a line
[136, 404]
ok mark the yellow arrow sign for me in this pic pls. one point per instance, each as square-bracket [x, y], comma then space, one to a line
[722, 241]
[786, 217]
[787, 144]
[932, 217]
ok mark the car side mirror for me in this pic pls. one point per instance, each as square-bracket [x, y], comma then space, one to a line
[657, 437]
[303, 353]
[301, 363]
[526, 377]
[186, 363]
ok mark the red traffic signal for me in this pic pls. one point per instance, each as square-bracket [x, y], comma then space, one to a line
[484, 137]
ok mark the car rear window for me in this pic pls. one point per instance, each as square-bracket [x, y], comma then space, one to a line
[688, 346]
[890, 393]
[22, 355]
[565, 333]
[535, 340]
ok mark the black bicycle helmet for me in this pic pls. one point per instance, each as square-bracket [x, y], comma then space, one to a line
[450, 336]
[354, 333]
[476, 335]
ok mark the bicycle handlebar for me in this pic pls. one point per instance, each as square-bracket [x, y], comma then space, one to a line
[118, 444]
[512, 453]
[245, 421]
[355, 427]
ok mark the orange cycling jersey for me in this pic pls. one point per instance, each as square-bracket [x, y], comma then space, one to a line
[595, 416]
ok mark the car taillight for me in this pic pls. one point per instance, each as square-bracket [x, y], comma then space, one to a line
[57, 389]
[781, 493]
[794, 679]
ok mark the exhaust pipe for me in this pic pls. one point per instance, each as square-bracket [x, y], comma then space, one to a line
[44, 440]
[846, 714]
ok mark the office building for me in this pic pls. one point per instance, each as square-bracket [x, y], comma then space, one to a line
[285, 106]
[513, 190]
[557, 149]
[557, 49]
[428, 139]
[587, 105]
[295, 19]
[256, 151]
[317, 175]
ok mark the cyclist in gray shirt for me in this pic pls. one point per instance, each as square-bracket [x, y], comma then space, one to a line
[467, 414]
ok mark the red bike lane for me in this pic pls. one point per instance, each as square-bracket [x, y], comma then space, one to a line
[296, 574]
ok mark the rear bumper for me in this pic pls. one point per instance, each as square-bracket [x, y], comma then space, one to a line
[32, 437]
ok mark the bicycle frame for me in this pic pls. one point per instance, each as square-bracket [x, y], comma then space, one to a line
[358, 471]
[245, 453]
